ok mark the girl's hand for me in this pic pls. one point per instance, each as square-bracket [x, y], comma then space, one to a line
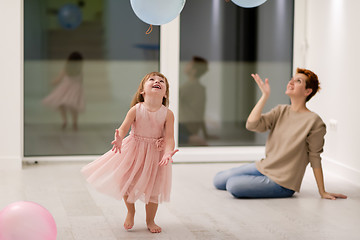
[264, 86]
[117, 142]
[167, 158]
[333, 196]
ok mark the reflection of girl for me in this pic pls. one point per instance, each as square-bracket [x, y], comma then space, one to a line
[140, 170]
[296, 138]
[68, 96]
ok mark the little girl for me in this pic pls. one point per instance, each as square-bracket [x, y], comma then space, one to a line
[137, 166]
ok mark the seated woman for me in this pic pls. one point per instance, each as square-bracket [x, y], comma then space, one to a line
[296, 138]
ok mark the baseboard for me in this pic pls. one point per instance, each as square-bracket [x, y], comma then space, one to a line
[185, 155]
[219, 154]
[10, 163]
[334, 167]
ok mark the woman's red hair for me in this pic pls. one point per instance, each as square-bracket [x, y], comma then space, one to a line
[312, 81]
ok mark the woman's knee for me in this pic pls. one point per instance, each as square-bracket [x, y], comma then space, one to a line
[236, 186]
[219, 181]
[221, 178]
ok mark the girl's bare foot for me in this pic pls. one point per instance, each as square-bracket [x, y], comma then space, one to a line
[129, 221]
[153, 228]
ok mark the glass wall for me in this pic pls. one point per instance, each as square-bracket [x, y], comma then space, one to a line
[221, 45]
[83, 61]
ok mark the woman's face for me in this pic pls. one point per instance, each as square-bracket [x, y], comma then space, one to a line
[297, 86]
[155, 85]
[189, 68]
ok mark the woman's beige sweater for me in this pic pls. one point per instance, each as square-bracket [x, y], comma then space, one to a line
[295, 139]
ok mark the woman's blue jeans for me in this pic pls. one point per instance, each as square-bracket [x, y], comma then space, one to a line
[247, 182]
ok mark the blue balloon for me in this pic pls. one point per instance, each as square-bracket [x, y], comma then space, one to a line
[157, 12]
[248, 3]
[70, 16]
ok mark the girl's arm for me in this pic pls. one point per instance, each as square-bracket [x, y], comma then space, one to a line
[59, 77]
[265, 89]
[318, 173]
[121, 132]
[169, 139]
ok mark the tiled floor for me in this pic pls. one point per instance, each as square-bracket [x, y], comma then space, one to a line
[196, 210]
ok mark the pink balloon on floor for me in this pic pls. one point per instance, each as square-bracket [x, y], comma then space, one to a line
[26, 221]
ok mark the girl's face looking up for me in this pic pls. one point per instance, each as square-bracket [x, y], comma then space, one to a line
[155, 85]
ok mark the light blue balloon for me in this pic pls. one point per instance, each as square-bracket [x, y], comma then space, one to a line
[70, 16]
[157, 12]
[248, 3]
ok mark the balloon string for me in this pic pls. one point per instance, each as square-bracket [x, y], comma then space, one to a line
[149, 29]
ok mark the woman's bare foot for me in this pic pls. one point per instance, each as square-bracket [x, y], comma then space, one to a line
[153, 228]
[129, 221]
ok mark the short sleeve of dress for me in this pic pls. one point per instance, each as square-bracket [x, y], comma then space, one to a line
[315, 142]
[266, 121]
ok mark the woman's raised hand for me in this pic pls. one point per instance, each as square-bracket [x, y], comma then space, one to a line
[264, 86]
[117, 142]
[167, 157]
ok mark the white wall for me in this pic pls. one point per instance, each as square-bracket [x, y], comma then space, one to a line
[327, 37]
[10, 84]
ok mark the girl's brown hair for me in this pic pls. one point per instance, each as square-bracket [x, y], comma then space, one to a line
[138, 97]
[73, 66]
[312, 81]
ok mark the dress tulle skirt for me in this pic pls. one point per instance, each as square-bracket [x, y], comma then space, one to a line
[69, 93]
[135, 172]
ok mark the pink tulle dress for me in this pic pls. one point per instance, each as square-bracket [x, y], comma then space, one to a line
[69, 93]
[135, 171]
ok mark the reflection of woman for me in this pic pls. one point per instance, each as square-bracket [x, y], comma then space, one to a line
[192, 96]
[68, 96]
[296, 138]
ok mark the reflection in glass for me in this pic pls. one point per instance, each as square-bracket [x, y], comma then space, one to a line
[192, 100]
[68, 96]
[116, 54]
[235, 42]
